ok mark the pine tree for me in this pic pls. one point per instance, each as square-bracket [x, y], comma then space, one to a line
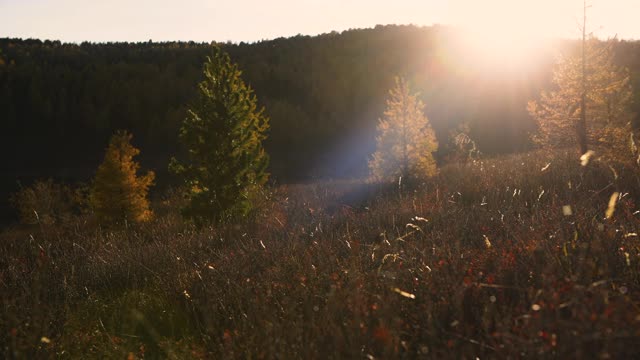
[223, 132]
[117, 193]
[590, 102]
[405, 141]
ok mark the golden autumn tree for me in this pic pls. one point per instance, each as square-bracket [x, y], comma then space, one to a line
[589, 105]
[118, 193]
[406, 141]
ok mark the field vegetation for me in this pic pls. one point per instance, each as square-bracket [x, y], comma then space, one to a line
[523, 256]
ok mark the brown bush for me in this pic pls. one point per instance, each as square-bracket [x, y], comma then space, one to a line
[46, 202]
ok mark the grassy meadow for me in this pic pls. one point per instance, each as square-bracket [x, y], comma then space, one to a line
[525, 256]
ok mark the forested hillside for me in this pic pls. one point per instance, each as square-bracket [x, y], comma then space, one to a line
[396, 192]
[59, 103]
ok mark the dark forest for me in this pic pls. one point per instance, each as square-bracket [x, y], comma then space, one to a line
[323, 94]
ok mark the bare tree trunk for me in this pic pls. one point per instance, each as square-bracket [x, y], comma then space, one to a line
[581, 126]
[405, 141]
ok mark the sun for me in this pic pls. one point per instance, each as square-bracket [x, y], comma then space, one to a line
[502, 44]
[503, 34]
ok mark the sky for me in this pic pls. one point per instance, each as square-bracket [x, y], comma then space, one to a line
[254, 20]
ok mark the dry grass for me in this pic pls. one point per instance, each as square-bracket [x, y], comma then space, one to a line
[478, 262]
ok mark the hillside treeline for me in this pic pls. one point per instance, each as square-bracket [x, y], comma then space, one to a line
[59, 103]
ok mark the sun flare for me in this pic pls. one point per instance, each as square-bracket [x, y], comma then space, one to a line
[502, 46]
[503, 34]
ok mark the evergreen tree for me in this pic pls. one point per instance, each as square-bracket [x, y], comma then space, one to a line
[117, 193]
[223, 134]
[405, 141]
[591, 99]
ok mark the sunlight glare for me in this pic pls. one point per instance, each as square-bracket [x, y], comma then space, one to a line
[504, 34]
[502, 46]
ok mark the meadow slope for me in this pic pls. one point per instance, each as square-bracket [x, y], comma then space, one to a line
[506, 258]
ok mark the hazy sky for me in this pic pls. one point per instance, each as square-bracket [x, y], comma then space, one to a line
[252, 20]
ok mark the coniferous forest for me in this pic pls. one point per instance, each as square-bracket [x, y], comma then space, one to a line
[374, 193]
[323, 95]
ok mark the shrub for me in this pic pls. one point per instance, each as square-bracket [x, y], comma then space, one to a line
[45, 202]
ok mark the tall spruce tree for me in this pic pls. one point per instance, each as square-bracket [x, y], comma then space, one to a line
[406, 141]
[590, 102]
[223, 132]
[118, 194]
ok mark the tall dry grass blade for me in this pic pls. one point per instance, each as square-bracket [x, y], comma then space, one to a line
[611, 208]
